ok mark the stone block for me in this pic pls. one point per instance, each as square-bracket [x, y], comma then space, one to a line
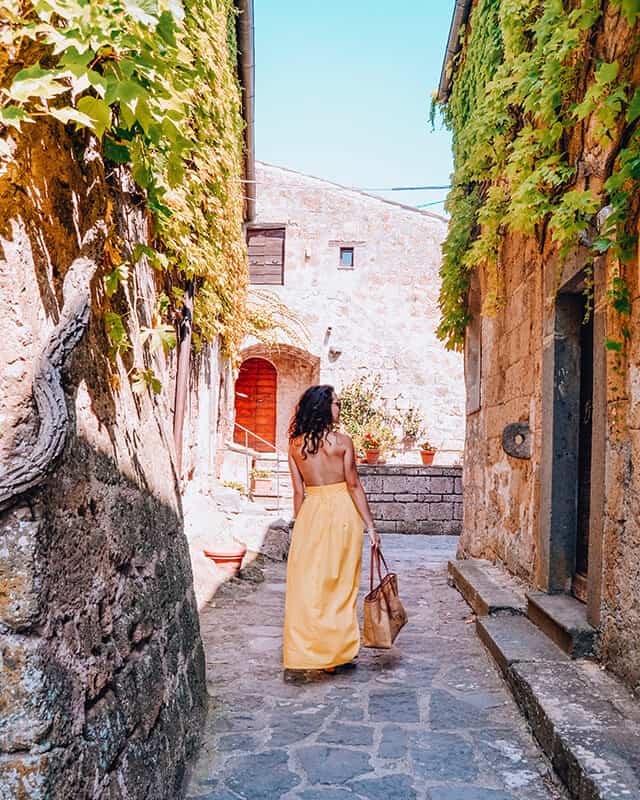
[401, 484]
[25, 717]
[330, 765]
[441, 485]
[441, 511]
[391, 511]
[592, 741]
[458, 511]
[406, 498]
[25, 776]
[398, 705]
[512, 638]
[430, 498]
[484, 588]
[380, 498]
[457, 486]
[19, 583]
[564, 620]
[372, 483]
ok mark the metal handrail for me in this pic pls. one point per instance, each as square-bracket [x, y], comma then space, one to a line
[248, 433]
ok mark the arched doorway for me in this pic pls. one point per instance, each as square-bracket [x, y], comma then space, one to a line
[255, 404]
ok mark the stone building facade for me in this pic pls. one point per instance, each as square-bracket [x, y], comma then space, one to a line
[551, 482]
[361, 274]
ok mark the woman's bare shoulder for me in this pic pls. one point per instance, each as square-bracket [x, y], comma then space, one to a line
[343, 439]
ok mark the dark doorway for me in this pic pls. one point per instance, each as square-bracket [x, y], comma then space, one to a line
[567, 444]
[584, 457]
[255, 405]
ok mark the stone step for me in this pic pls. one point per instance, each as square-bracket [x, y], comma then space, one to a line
[512, 639]
[564, 620]
[590, 736]
[485, 588]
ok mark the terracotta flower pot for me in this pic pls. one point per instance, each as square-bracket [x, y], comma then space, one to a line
[230, 560]
[427, 457]
[262, 485]
[372, 456]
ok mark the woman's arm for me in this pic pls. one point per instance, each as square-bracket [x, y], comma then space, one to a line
[357, 492]
[297, 482]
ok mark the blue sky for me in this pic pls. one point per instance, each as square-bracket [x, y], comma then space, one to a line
[343, 90]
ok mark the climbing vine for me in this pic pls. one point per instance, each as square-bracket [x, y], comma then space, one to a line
[516, 102]
[155, 82]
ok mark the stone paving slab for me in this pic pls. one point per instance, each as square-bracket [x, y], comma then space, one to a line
[430, 719]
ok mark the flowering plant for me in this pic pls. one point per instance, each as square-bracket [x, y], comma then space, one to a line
[426, 445]
[369, 443]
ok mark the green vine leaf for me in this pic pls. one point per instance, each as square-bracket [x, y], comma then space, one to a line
[14, 115]
[144, 379]
[36, 82]
[633, 112]
[160, 336]
[116, 333]
[66, 115]
[112, 281]
[98, 112]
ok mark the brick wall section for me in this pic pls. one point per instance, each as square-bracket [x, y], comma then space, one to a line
[414, 499]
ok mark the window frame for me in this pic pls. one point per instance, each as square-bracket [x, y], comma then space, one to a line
[347, 249]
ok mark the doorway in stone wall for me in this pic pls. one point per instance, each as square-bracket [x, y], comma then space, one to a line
[585, 447]
[567, 447]
[255, 405]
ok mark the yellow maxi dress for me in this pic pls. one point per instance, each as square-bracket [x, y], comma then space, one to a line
[323, 573]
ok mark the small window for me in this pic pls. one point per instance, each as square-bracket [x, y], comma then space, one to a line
[346, 257]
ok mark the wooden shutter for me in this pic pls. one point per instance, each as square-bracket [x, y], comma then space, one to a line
[266, 255]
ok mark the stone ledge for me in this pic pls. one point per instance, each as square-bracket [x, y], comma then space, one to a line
[513, 639]
[593, 744]
[479, 582]
[409, 469]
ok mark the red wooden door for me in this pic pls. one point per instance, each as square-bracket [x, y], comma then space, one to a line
[256, 403]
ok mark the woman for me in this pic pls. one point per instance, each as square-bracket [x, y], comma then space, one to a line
[321, 625]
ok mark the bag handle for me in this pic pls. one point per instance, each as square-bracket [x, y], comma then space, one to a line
[376, 554]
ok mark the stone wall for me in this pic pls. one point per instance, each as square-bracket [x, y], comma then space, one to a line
[379, 316]
[101, 664]
[513, 507]
[413, 499]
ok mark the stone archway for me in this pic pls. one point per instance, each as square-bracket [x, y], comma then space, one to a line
[296, 369]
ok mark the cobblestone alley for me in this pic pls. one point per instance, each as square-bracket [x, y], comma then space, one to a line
[428, 720]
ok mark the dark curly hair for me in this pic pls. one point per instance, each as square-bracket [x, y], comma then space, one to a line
[312, 418]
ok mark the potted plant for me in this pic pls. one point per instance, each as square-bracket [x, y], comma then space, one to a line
[261, 481]
[411, 422]
[371, 448]
[427, 452]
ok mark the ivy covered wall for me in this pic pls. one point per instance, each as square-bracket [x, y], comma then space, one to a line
[532, 80]
[544, 106]
[121, 142]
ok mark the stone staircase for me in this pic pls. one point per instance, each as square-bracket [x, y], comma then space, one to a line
[585, 719]
[276, 485]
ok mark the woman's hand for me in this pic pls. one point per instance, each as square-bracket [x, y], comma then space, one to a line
[374, 536]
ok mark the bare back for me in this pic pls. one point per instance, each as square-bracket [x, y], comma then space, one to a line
[328, 464]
